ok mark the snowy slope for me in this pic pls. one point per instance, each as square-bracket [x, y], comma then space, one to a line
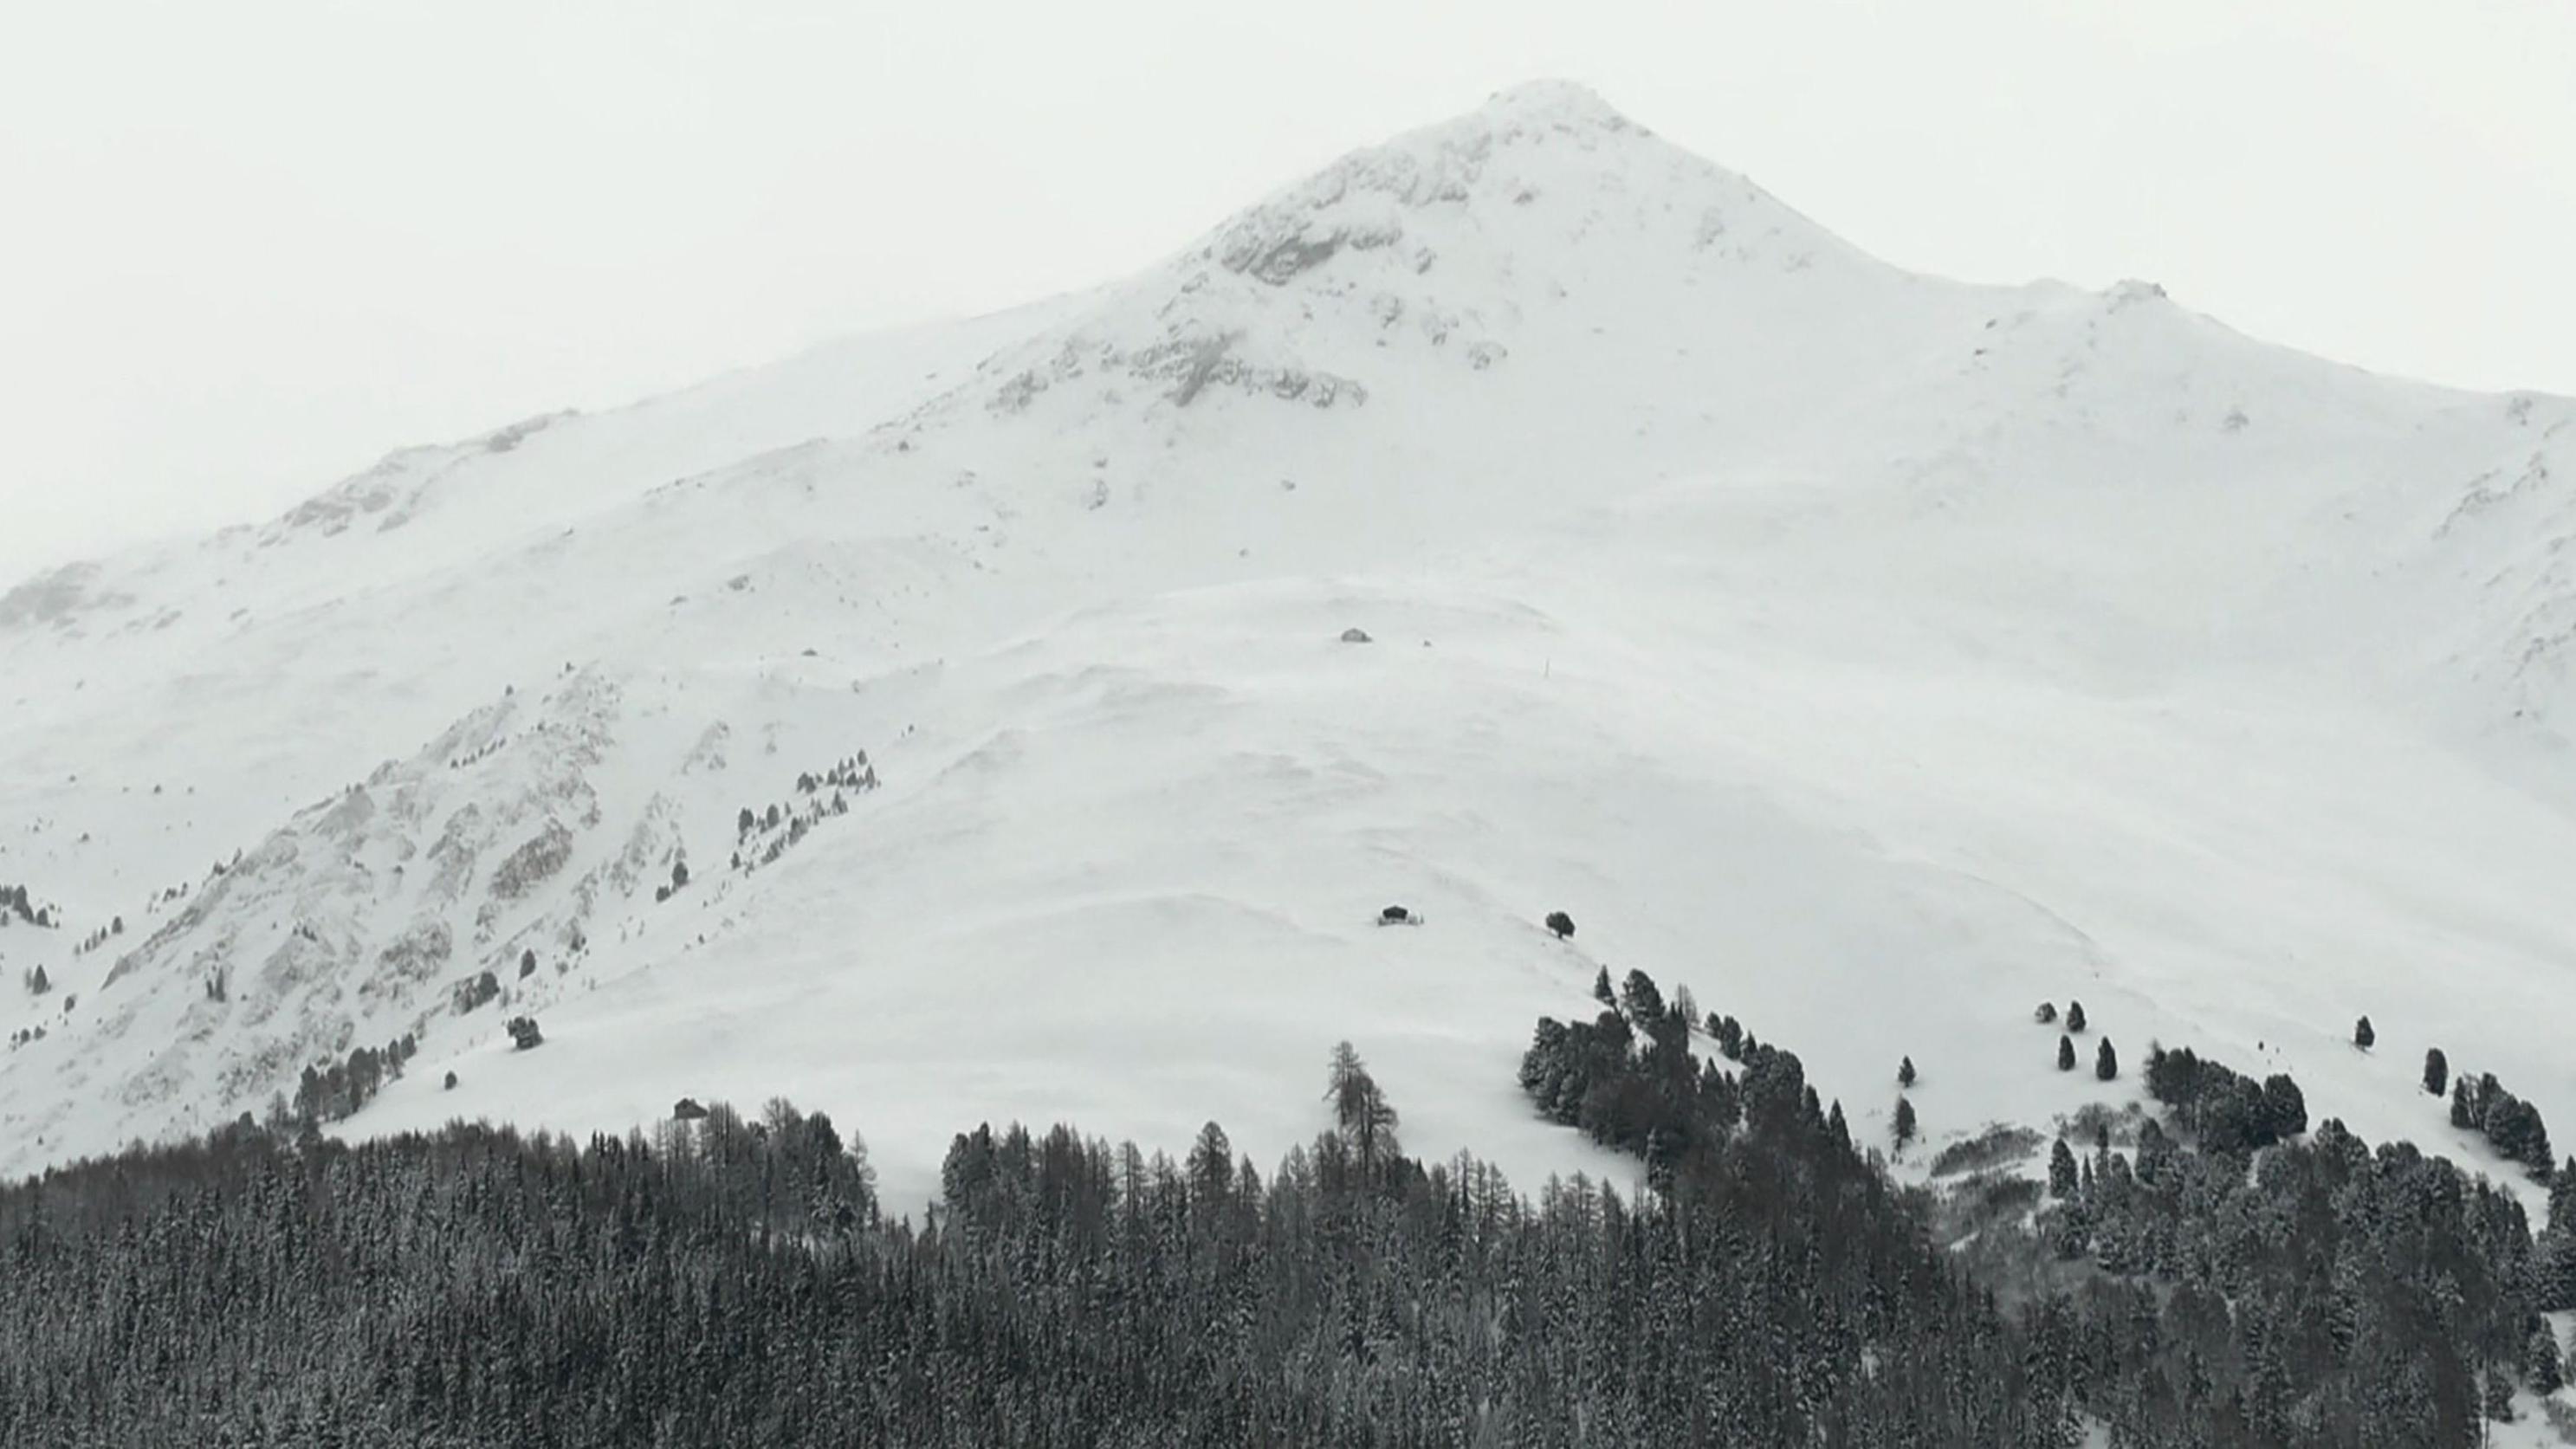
[1874, 654]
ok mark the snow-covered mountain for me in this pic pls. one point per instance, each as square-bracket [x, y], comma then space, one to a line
[1876, 655]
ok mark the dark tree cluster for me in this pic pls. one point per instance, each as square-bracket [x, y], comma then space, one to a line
[727, 1282]
[1729, 1035]
[2511, 1125]
[1629, 1080]
[2222, 1110]
[479, 753]
[2332, 1296]
[853, 773]
[100, 937]
[679, 882]
[17, 905]
[762, 836]
[336, 1090]
[2557, 1250]
[475, 991]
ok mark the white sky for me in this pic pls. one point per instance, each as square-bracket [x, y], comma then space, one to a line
[247, 247]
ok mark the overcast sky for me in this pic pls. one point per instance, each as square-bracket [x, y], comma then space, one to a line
[246, 248]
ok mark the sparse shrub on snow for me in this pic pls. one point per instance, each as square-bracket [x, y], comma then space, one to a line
[762, 836]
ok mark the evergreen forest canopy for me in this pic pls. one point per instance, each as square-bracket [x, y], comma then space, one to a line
[728, 1280]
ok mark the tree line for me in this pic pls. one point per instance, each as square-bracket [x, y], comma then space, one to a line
[728, 1279]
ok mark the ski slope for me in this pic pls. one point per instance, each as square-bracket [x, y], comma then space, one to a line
[1874, 654]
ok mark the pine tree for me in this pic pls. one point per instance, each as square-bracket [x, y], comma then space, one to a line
[1904, 1123]
[2556, 1271]
[2061, 1170]
[2065, 1053]
[2075, 1016]
[2437, 1070]
[2499, 1397]
[1365, 1119]
[2106, 1062]
[2542, 1366]
[1644, 1002]
[37, 984]
[2463, 1112]
[2155, 1150]
[2285, 1107]
[2362, 1035]
[2535, 1145]
[1905, 1072]
[1211, 1165]
[1601, 988]
[2046, 1014]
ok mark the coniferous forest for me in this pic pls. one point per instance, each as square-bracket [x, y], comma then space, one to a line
[732, 1281]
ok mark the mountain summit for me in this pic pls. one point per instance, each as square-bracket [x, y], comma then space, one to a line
[957, 723]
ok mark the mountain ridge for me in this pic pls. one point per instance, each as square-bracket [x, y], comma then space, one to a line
[1781, 604]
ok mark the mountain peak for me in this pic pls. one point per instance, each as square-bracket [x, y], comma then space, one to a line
[1542, 218]
[1556, 102]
